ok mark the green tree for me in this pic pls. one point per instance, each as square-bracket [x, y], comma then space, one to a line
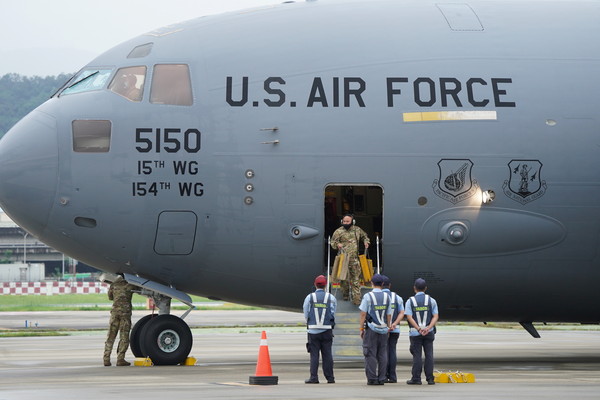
[20, 94]
[7, 257]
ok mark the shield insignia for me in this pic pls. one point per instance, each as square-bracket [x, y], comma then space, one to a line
[524, 183]
[455, 183]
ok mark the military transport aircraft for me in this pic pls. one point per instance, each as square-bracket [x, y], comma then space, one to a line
[214, 157]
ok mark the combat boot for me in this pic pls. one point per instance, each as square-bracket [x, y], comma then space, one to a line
[123, 363]
[107, 362]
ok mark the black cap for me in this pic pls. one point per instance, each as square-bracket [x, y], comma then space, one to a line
[377, 279]
[386, 281]
[420, 284]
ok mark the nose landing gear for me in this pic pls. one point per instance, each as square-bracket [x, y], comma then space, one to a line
[165, 338]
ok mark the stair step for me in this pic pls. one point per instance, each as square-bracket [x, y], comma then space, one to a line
[347, 344]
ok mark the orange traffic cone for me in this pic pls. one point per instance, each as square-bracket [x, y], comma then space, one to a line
[264, 374]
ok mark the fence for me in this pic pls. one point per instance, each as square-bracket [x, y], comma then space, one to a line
[52, 288]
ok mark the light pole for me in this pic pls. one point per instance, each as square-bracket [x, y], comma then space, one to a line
[25, 247]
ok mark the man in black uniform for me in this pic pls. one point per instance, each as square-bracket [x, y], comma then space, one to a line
[319, 312]
[421, 311]
[376, 312]
[398, 315]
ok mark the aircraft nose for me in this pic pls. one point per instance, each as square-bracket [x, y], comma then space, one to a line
[29, 171]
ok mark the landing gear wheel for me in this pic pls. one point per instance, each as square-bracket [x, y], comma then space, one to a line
[166, 339]
[135, 337]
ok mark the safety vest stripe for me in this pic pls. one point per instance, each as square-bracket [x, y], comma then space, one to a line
[394, 304]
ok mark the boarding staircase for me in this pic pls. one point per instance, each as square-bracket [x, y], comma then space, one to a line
[347, 344]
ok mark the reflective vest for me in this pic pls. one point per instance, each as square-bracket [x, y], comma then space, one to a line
[394, 298]
[378, 309]
[421, 307]
[319, 314]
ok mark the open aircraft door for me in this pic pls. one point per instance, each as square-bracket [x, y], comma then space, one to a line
[365, 202]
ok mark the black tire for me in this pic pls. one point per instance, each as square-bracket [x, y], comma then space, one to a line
[135, 336]
[166, 339]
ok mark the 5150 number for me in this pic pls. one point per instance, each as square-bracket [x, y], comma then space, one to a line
[170, 140]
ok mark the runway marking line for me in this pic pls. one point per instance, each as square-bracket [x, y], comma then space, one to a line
[232, 384]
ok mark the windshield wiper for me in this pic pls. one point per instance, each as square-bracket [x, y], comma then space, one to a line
[83, 79]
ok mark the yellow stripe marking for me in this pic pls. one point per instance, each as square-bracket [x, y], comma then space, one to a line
[449, 116]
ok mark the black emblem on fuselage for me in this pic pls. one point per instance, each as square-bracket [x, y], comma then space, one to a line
[525, 183]
[455, 183]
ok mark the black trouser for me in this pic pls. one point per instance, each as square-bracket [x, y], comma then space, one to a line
[375, 352]
[419, 344]
[392, 357]
[321, 342]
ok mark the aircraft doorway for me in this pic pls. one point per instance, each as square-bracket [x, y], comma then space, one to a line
[365, 202]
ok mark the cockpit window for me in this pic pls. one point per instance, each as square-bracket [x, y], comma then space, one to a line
[141, 51]
[91, 136]
[171, 85]
[88, 80]
[129, 83]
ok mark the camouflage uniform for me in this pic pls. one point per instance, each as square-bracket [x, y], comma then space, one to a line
[349, 239]
[120, 292]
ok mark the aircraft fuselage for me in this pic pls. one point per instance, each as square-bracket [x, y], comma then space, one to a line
[430, 102]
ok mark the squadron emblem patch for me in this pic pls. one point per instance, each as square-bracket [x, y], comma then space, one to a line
[524, 184]
[454, 183]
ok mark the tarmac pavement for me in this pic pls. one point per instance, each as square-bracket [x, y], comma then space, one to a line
[506, 364]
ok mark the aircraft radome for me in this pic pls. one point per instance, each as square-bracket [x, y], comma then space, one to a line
[214, 157]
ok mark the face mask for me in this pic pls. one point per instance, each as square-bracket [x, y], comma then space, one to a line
[346, 226]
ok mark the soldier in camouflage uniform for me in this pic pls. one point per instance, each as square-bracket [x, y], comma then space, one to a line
[120, 292]
[346, 238]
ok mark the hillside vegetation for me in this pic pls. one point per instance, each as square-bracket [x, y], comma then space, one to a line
[21, 94]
